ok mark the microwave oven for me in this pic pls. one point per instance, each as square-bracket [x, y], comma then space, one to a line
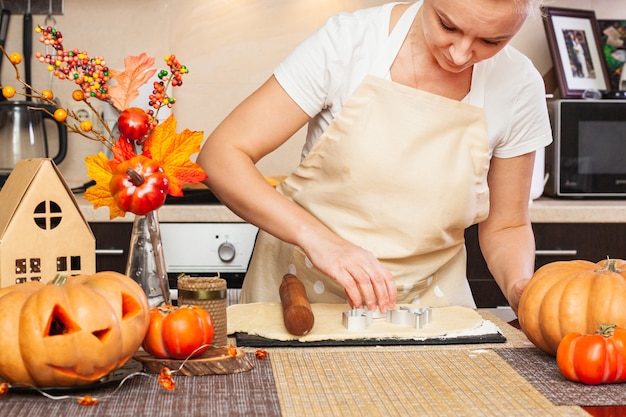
[587, 158]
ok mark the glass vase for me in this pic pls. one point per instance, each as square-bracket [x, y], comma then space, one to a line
[146, 262]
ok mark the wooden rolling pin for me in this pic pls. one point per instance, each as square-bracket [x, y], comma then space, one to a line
[297, 312]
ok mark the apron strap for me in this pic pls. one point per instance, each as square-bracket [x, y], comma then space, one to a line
[395, 40]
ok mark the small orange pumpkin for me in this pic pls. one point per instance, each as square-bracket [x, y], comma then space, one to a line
[72, 331]
[572, 297]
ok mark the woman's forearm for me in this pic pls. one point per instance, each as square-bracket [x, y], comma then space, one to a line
[510, 257]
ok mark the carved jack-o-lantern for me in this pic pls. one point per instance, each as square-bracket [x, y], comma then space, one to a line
[71, 331]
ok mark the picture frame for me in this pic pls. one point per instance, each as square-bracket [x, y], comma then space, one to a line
[574, 42]
[613, 33]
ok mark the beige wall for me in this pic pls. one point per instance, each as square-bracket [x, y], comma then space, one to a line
[230, 47]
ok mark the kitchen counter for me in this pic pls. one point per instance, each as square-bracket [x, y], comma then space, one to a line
[175, 213]
[438, 380]
[542, 210]
[551, 210]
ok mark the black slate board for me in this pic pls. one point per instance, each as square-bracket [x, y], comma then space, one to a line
[244, 339]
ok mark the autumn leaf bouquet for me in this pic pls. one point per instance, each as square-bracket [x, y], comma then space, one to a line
[149, 158]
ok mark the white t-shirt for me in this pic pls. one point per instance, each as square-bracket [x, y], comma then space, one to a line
[321, 74]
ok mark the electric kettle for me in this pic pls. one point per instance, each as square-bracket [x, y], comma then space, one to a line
[24, 133]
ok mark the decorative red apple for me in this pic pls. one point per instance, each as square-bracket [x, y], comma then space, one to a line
[133, 123]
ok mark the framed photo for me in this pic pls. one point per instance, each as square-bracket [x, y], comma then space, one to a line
[613, 33]
[574, 41]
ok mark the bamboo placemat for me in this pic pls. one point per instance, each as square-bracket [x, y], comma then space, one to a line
[244, 394]
[461, 382]
[541, 371]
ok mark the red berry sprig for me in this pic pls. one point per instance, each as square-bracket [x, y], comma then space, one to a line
[159, 97]
[91, 74]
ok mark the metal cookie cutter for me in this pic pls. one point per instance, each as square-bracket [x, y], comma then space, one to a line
[357, 319]
[409, 316]
[361, 318]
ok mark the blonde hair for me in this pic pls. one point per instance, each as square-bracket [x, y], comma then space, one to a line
[529, 7]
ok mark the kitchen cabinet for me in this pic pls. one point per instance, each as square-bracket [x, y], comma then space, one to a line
[554, 242]
[112, 244]
[484, 288]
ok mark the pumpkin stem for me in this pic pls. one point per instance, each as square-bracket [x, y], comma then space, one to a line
[610, 265]
[59, 280]
[606, 330]
[165, 309]
[136, 178]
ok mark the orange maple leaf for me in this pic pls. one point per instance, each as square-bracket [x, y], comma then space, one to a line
[137, 71]
[100, 169]
[173, 152]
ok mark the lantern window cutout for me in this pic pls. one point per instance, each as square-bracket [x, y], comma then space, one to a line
[35, 265]
[20, 266]
[75, 263]
[61, 264]
[48, 215]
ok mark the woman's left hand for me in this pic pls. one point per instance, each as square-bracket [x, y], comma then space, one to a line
[515, 293]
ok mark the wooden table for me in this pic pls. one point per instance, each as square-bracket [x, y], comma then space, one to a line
[470, 380]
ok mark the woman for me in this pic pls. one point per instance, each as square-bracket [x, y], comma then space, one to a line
[579, 50]
[422, 122]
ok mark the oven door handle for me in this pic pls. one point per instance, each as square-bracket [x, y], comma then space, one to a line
[556, 252]
[109, 252]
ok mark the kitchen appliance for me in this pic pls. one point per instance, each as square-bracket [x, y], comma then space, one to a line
[24, 124]
[207, 250]
[586, 159]
[24, 134]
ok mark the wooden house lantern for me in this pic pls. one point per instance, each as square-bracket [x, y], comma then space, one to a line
[42, 230]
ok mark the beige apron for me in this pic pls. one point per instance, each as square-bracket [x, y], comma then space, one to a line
[399, 172]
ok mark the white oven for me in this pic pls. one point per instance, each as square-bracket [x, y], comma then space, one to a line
[208, 249]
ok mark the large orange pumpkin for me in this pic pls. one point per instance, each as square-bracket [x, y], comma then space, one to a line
[572, 296]
[72, 331]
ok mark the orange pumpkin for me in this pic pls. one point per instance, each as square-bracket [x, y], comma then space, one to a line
[572, 297]
[72, 331]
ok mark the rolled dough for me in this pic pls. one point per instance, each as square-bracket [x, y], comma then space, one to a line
[266, 320]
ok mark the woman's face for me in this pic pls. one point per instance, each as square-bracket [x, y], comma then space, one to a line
[460, 33]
